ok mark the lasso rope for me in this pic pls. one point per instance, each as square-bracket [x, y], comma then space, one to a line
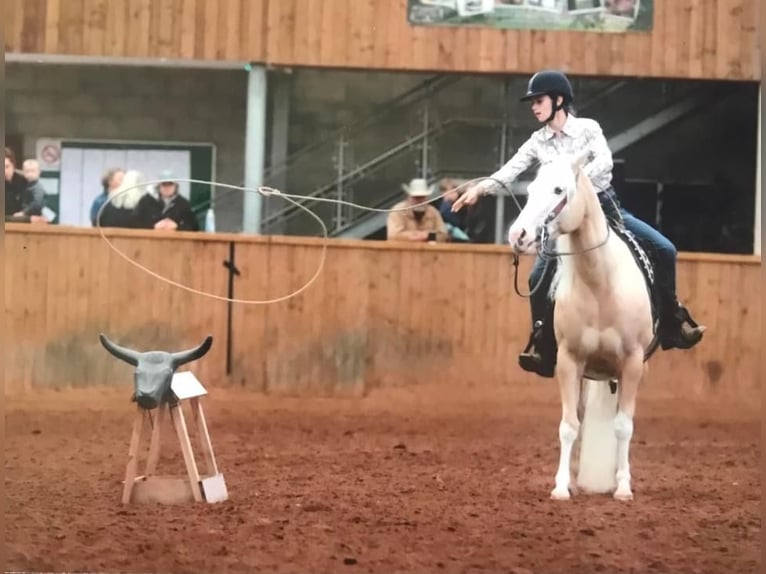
[266, 192]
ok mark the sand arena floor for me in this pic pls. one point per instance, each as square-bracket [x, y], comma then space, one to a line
[407, 480]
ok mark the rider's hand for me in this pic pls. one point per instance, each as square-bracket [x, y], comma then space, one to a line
[471, 195]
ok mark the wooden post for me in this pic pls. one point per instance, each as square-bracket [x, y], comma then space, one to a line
[154, 447]
[179, 422]
[132, 466]
[204, 436]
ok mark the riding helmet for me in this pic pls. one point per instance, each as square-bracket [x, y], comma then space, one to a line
[549, 82]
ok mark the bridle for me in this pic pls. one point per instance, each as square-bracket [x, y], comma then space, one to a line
[546, 252]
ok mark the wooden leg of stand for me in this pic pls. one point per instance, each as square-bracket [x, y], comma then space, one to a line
[179, 422]
[204, 436]
[154, 447]
[135, 442]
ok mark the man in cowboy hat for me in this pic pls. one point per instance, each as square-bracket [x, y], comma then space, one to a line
[422, 221]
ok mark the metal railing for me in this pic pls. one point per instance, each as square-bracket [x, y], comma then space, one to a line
[417, 94]
[407, 126]
[348, 167]
[329, 150]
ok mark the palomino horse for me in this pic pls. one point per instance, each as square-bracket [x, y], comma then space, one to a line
[603, 324]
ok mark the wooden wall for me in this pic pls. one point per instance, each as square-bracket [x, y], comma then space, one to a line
[690, 39]
[380, 314]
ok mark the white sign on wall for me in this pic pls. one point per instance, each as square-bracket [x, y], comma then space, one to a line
[82, 169]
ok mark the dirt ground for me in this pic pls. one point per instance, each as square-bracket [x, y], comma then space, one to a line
[406, 480]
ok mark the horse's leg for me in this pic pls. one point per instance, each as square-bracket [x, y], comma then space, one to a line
[632, 374]
[569, 374]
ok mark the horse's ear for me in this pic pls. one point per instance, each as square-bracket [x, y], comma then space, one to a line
[580, 160]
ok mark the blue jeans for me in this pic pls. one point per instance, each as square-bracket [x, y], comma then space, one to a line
[659, 247]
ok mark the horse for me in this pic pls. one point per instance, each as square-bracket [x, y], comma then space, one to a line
[603, 322]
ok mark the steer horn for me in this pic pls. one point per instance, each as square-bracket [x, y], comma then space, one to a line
[128, 355]
[189, 355]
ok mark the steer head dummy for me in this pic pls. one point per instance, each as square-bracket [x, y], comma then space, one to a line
[154, 370]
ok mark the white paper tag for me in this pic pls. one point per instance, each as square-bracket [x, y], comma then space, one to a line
[214, 488]
[186, 386]
[48, 213]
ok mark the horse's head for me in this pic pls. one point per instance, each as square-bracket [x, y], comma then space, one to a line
[154, 369]
[551, 209]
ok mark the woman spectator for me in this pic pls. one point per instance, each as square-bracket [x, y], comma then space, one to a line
[110, 181]
[120, 209]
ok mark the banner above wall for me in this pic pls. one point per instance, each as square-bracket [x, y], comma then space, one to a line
[586, 15]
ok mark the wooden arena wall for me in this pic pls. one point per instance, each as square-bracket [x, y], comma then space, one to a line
[380, 314]
[689, 38]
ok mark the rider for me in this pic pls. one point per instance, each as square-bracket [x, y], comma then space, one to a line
[551, 95]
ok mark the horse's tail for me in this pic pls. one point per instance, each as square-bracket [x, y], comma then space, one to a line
[598, 440]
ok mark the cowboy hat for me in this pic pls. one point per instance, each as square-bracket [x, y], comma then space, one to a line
[418, 188]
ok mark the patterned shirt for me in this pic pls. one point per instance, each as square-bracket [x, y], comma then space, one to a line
[545, 144]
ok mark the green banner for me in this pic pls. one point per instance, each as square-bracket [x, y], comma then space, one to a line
[591, 15]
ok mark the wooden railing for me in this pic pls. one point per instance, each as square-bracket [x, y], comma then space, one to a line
[689, 39]
[380, 313]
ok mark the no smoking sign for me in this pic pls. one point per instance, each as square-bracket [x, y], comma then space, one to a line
[49, 154]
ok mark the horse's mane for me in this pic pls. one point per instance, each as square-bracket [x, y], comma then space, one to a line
[563, 244]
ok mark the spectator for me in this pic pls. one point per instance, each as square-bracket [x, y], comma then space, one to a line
[455, 221]
[120, 210]
[480, 222]
[17, 196]
[15, 186]
[422, 222]
[166, 208]
[35, 191]
[110, 181]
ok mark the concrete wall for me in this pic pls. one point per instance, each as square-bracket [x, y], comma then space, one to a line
[322, 100]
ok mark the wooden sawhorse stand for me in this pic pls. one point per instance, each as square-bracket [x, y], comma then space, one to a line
[174, 490]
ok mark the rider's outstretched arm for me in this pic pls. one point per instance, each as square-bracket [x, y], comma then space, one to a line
[521, 160]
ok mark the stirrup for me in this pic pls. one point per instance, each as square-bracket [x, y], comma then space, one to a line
[534, 336]
[679, 335]
[683, 316]
[533, 361]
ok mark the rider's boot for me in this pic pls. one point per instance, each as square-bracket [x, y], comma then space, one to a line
[539, 356]
[677, 328]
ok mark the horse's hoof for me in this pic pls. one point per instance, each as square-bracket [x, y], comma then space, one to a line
[624, 495]
[560, 494]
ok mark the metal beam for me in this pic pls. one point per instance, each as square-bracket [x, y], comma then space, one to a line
[504, 137]
[364, 228]
[757, 225]
[652, 124]
[255, 143]
[67, 59]
[280, 128]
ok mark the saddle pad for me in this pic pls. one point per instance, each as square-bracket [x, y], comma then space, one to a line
[644, 262]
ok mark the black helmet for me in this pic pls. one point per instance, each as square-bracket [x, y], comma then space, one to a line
[549, 82]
